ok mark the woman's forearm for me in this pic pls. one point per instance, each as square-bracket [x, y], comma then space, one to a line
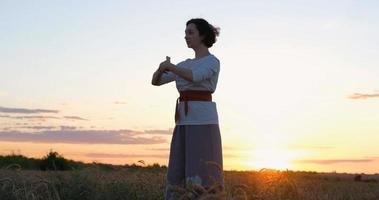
[156, 76]
[182, 72]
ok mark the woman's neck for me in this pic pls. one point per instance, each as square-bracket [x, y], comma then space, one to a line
[201, 52]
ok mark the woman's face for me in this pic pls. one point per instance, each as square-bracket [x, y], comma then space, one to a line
[193, 39]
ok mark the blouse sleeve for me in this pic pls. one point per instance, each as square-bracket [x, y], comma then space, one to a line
[167, 77]
[206, 70]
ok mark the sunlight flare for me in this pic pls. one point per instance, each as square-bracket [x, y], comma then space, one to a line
[273, 158]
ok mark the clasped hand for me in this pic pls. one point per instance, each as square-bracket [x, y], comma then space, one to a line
[165, 65]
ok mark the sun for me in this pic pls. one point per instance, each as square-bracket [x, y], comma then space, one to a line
[272, 158]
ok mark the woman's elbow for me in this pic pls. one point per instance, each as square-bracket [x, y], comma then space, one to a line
[155, 83]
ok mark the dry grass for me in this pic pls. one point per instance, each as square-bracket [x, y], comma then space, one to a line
[96, 184]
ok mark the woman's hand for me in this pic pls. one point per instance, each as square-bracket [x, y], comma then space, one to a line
[165, 65]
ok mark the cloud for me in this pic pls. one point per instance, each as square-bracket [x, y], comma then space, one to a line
[68, 127]
[363, 96]
[25, 110]
[238, 148]
[41, 117]
[109, 155]
[319, 147]
[35, 117]
[37, 127]
[234, 155]
[159, 149]
[333, 161]
[82, 137]
[74, 117]
[160, 132]
[19, 124]
[225, 155]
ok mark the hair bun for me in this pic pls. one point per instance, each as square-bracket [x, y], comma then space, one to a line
[216, 30]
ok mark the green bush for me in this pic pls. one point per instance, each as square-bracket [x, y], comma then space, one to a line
[54, 161]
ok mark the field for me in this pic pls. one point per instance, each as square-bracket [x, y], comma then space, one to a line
[93, 183]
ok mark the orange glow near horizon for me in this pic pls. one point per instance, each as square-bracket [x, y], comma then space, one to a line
[273, 158]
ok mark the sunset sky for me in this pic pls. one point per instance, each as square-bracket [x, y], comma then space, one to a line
[298, 86]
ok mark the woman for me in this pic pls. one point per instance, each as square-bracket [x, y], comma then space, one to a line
[196, 150]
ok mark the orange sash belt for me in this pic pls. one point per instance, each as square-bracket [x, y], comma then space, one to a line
[191, 95]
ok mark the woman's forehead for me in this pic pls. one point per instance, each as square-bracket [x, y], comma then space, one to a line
[191, 27]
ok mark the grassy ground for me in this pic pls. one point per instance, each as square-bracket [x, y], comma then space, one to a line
[97, 184]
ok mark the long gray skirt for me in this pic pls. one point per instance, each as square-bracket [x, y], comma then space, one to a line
[195, 156]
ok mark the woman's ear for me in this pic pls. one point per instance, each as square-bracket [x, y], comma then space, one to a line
[202, 38]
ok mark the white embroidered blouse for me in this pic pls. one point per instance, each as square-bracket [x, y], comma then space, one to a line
[205, 71]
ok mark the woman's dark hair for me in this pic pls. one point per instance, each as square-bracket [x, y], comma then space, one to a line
[205, 29]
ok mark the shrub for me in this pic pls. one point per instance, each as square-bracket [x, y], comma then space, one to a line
[54, 161]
